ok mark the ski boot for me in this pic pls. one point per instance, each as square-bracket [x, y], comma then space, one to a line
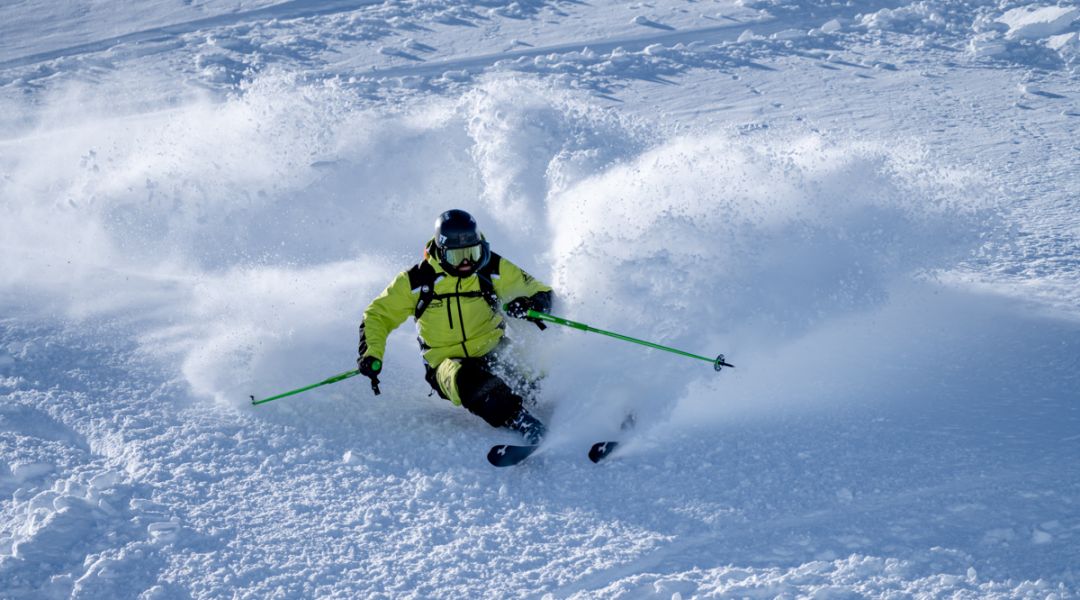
[528, 426]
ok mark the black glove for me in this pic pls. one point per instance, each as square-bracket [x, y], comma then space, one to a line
[370, 367]
[519, 307]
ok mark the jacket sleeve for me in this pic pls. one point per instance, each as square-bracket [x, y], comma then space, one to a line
[392, 308]
[513, 283]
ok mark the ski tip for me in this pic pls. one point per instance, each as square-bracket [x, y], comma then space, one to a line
[601, 450]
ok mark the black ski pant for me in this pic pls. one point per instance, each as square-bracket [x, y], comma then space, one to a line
[480, 390]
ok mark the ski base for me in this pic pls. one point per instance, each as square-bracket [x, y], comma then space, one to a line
[508, 455]
[602, 450]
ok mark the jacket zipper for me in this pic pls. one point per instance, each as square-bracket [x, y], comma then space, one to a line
[461, 318]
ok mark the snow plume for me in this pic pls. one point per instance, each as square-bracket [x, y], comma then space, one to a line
[242, 238]
[530, 139]
[747, 243]
[220, 228]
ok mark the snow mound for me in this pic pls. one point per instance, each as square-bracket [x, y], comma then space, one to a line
[1038, 22]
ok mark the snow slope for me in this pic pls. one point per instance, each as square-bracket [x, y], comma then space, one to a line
[870, 208]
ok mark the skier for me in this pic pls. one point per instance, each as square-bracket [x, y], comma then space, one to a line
[454, 295]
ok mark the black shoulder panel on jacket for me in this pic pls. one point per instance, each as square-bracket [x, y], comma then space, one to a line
[421, 274]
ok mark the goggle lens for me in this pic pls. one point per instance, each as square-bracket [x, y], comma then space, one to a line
[456, 256]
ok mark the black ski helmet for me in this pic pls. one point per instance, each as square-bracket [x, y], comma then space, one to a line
[456, 229]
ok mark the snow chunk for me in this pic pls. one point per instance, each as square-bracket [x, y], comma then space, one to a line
[832, 26]
[105, 481]
[987, 45]
[999, 536]
[749, 36]
[1039, 537]
[907, 19]
[788, 34]
[350, 458]
[1038, 22]
[1060, 42]
[26, 471]
[164, 532]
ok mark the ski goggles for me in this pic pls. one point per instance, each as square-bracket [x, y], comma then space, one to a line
[456, 256]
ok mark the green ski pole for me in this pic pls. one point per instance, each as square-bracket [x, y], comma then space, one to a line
[334, 379]
[717, 362]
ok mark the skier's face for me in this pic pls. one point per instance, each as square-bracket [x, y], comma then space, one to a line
[465, 259]
[465, 268]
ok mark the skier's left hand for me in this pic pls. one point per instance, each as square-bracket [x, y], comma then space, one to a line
[519, 307]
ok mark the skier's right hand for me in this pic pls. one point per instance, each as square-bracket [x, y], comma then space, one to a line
[369, 366]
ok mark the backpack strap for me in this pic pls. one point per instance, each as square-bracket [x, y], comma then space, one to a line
[487, 277]
[422, 278]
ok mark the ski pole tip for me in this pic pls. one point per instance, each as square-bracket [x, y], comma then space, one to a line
[720, 363]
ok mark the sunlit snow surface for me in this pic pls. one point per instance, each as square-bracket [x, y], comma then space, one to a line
[870, 208]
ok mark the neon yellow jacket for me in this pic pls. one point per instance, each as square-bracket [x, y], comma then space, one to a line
[454, 327]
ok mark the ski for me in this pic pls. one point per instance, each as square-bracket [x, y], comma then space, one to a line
[601, 450]
[508, 455]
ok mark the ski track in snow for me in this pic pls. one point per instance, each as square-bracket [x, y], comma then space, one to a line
[872, 205]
